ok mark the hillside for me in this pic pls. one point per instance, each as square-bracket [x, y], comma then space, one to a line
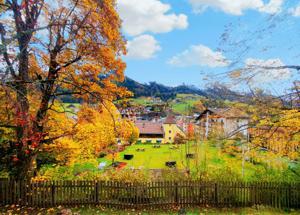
[153, 89]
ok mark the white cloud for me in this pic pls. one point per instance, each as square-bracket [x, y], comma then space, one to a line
[199, 55]
[237, 7]
[274, 6]
[295, 11]
[264, 71]
[140, 16]
[142, 47]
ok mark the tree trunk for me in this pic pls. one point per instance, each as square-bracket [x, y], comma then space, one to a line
[24, 169]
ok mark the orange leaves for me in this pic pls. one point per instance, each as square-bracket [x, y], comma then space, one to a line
[91, 30]
[100, 127]
[191, 131]
[127, 131]
[95, 133]
[75, 53]
[279, 133]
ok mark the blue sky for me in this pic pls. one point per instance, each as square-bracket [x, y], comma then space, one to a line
[179, 41]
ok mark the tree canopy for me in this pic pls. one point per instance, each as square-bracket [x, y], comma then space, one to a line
[51, 49]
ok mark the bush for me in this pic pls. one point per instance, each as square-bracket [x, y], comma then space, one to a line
[80, 168]
[102, 154]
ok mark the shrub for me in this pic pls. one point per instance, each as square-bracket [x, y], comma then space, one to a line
[102, 154]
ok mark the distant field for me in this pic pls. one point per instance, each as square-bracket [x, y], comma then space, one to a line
[70, 108]
[183, 107]
[68, 105]
[142, 101]
[181, 104]
[184, 102]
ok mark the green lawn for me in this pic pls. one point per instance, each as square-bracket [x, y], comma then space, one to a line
[151, 158]
[207, 157]
[85, 210]
[209, 162]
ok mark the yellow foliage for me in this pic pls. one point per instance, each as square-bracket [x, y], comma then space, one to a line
[65, 149]
[279, 132]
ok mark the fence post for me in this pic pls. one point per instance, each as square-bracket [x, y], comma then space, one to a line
[216, 195]
[176, 193]
[97, 192]
[53, 193]
[289, 197]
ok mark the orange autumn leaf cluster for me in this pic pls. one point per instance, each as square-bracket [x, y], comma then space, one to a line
[97, 128]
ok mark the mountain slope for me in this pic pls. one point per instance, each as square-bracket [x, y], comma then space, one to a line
[154, 89]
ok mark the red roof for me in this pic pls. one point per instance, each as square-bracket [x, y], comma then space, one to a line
[146, 127]
[170, 119]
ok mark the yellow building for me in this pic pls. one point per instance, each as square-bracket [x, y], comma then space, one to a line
[155, 132]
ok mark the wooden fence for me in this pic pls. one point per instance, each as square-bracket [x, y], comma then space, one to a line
[152, 194]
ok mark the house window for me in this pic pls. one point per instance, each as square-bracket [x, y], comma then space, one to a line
[170, 138]
[170, 131]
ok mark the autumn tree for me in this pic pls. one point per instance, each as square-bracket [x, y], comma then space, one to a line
[51, 49]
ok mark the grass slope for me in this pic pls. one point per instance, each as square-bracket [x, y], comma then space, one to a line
[184, 102]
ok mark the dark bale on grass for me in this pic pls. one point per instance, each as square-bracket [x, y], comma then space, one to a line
[171, 164]
[190, 156]
[128, 157]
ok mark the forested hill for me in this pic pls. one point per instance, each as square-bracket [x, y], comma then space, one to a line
[154, 89]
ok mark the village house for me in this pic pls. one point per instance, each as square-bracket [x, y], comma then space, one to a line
[228, 122]
[159, 132]
[140, 112]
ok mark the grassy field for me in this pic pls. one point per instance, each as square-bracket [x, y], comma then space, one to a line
[152, 158]
[184, 102]
[206, 157]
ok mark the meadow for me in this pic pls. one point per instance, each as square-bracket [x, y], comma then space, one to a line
[184, 103]
[207, 158]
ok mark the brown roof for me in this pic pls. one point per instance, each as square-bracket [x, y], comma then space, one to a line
[146, 127]
[170, 119]
[225, 112]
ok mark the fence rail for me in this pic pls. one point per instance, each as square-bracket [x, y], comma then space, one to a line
[150, 194]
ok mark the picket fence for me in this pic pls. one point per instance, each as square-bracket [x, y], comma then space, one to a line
[149, 194]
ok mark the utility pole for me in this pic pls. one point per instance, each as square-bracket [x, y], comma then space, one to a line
[243, 160]
[206, 125]
[244, 147]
